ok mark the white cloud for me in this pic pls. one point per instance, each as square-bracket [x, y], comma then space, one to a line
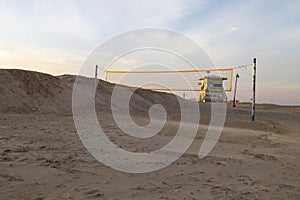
[54, 36]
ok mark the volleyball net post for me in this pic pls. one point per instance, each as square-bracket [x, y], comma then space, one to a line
[254, 89]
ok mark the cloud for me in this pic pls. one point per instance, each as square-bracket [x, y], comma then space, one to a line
[53, 61]
[56, 36]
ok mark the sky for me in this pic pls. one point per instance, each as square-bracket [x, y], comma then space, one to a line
[57, 36]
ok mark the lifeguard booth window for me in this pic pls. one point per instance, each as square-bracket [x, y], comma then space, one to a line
[212, 89]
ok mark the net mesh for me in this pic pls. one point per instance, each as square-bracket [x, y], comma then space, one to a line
[244, 84]
[185, 80]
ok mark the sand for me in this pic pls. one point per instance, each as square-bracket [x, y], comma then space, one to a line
[42, 157]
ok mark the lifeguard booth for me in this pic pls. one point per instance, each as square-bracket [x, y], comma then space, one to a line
[212, 89]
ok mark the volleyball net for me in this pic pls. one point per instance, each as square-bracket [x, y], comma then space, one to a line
[168, 80]
[187, 83]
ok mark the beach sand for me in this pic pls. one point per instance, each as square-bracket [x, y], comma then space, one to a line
[42, 156]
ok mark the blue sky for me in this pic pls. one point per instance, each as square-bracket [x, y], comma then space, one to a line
[56, 36]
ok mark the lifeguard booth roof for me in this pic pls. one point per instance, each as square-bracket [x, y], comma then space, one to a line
[213, 77]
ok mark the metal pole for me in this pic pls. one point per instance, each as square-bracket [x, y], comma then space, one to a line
[96, 75]
[254, 88]
[235, 88]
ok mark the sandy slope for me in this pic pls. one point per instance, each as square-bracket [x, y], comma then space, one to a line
[42, 157]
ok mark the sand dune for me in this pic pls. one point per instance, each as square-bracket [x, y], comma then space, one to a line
[29, 92]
